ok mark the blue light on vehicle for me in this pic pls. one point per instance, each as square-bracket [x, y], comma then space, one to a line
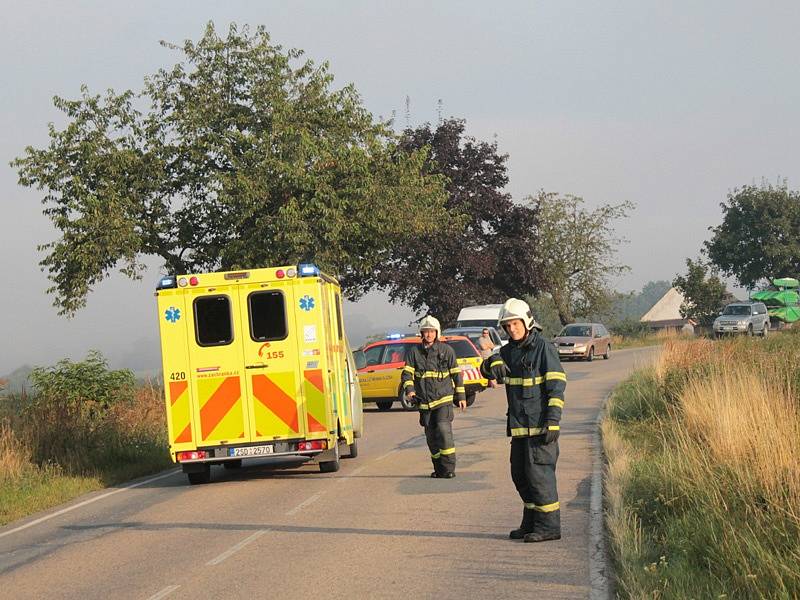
[394, 336]
[166, 283]
[308, 270]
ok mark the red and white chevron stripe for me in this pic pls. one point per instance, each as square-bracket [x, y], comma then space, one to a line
[470, 373]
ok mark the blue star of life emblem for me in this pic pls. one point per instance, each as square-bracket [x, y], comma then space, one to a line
[307, 303]
[172, 314]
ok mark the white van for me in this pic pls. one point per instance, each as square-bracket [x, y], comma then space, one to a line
[485, 315]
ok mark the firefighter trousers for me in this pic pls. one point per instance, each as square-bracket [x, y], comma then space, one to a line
[438, 424]
[533, 471]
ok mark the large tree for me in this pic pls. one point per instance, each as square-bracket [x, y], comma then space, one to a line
[241, 154]
[704, 293]
[759, 237]
[473, 256]
[575, 252]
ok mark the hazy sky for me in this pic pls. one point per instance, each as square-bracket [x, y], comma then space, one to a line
[666, 104]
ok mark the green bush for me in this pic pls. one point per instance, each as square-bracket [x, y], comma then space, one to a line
[66, 419]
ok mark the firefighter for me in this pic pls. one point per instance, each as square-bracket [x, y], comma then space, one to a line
[432, 380]
[535, 383]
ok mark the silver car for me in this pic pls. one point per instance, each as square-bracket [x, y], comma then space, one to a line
[742, 318]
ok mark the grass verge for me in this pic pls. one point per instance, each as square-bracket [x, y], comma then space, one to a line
[46, 461]
[703, 480]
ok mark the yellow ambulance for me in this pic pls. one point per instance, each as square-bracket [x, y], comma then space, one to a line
[257, 364]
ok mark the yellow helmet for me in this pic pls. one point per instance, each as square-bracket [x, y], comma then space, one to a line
[430, 322]
[514, 308]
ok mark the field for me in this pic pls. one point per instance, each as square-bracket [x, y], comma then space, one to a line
[703, 480]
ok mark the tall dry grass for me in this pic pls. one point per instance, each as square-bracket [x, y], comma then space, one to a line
[660, 336]
[45, 461]
[703, 481]
[15, 456]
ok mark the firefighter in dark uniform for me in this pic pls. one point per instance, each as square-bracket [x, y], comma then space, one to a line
[535, 382]
[432, 380]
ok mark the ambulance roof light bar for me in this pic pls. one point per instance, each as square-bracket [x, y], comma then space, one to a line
[167, 282]
[308, 270]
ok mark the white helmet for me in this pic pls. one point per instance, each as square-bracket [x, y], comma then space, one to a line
[430, 322]
[514, 308]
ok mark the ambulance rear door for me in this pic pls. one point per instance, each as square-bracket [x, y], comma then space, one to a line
[270, 346]
[216, 364]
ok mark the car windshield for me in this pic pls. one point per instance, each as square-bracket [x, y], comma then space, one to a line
[463, 348]
[576, 331]
[735, 309]
[481, 323]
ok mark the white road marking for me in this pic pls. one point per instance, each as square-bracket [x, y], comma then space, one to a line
[303, 504]
[58, 513]
[234, 549]
[164, 593]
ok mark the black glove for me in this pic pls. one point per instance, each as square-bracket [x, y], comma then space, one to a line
[551, 435]
[497, 368]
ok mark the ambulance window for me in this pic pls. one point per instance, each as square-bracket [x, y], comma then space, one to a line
[212, 320]
[267, 316]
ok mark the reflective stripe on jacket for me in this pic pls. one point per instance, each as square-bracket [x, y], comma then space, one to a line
[433, 374]
[534, 387]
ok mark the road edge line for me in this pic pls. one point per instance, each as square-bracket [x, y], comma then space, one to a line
[598, 550]
[72, 507]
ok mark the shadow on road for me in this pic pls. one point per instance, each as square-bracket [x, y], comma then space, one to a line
[288, 529]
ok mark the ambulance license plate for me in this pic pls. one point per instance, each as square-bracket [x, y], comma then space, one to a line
[251, 451]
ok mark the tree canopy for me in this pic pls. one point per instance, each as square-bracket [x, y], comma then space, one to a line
[759, 237]
[473, 256]
[704, 292]
[241, 154]
[575, 252]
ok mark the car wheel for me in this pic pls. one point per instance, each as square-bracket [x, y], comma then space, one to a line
[607, 355]
[590, 356]
[201, 477]
[405, 402]
[330, 466]
[352, 449]
[765, 331]
[384, 404]
[750, 330]
[471, 398]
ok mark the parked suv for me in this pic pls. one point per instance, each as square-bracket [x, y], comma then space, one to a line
[748, 318]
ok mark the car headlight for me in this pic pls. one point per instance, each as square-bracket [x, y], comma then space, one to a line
[741, 323]
[580, 347]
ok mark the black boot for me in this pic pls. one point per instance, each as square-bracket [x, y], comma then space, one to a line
[548, 527]
[528, 520]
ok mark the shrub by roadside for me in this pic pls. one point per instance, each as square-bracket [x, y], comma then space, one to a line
[703, 481]
[85, 427]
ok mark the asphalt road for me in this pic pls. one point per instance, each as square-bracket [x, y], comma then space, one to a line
[379, 528]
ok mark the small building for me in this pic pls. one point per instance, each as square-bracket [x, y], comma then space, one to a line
[666, 313]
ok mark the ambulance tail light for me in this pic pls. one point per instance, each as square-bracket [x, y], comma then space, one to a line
[309, 270]
[192, 455]
[193, 281]
[313, 445]
[280, 274]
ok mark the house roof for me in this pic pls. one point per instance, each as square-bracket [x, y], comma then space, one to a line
[668, 308]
